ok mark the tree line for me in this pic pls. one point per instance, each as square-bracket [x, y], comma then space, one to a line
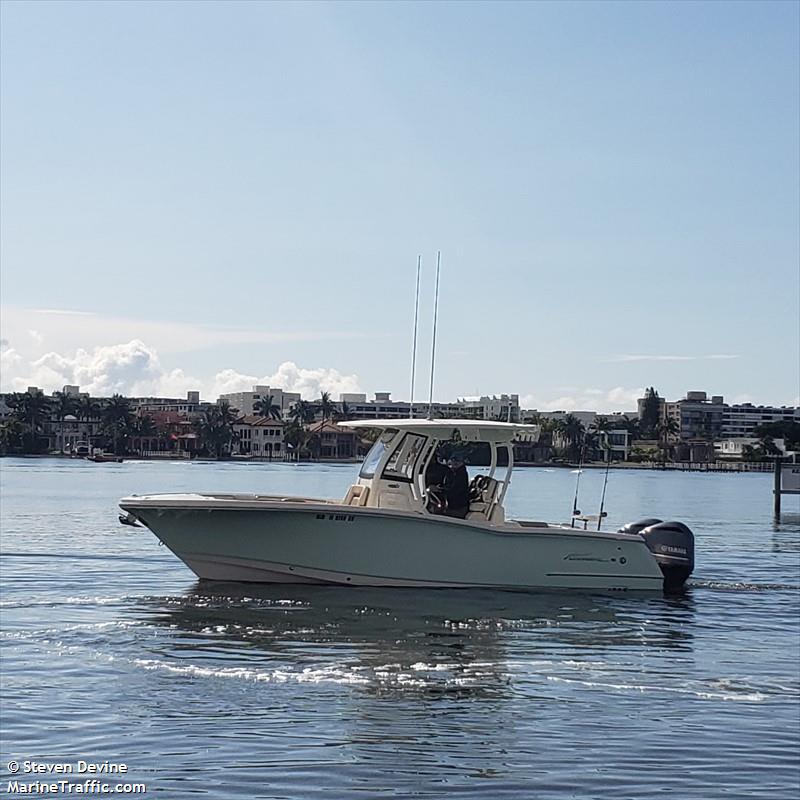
[24, 431]
[119, 427]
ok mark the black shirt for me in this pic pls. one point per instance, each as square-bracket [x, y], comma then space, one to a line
[437, 474]
[458, 488]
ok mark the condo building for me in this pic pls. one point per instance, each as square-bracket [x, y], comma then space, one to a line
[245, 402]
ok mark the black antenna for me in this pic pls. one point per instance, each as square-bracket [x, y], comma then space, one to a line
[414, 347]
[433, 345]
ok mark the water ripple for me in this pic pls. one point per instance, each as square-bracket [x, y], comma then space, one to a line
[112, 650]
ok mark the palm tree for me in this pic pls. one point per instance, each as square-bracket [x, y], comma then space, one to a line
[63, 405]
[603, 426]
[11, 435]
[88, 408]
[768, 447]
[345, 412]
[117, 419]
[267, 408]
[295, 437]
[326, 406]
[215, 428]
[31, 409]
[664, 430]
[632, 426]
[573, 431]
[302, 412]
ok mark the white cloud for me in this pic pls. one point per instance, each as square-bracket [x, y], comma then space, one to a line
[310, 383]
[591, 399]
[623, 399]
[131, 368]
[37, 337]
[229, 380]
[134, 368]
[9, 358]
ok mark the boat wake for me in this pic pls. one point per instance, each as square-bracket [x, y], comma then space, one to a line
[742, 586]
[716, 690]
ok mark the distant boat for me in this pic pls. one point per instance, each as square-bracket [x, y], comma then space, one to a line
[105, 458]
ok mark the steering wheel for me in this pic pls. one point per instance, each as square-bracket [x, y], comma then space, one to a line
[479, 484]
[436, 502]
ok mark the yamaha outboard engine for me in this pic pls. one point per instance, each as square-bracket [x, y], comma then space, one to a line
[672, 544]
[638, 527]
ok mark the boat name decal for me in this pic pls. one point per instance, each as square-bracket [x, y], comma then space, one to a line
[584, 557]
[336, 517]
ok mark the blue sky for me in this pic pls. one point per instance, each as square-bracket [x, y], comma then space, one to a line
[221, 189]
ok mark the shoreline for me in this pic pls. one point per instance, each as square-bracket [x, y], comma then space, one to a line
[734, 467]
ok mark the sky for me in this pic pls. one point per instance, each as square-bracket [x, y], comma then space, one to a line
[210, 195]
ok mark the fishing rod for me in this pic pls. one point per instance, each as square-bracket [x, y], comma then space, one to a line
[414, 347]
[433, 345]
[605, 483]
[575, 510]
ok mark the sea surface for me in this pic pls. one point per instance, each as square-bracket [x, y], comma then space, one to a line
[112, 651]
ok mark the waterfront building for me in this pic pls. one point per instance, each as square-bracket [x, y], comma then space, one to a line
[174, 434]
[504, 407]
[188, 407]
[703, 418]
[700, 418]
[73, 435]
[245, 402]
[734, 449]
[696, 416]
[259, 436]
[615, 443]
[740, 421]
[586, 418]
[329, 441]
[383, 407]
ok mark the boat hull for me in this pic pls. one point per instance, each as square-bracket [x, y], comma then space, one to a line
[325, 543]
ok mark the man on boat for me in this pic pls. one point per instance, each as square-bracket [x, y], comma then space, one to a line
[437, 473]
[457, 487]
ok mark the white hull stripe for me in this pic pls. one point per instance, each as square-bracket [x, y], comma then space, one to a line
[211, 567]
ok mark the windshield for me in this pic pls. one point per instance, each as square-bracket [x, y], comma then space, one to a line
[376, 454]
[372, 460]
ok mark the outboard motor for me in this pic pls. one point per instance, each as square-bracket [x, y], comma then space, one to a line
[638, 527]
[672, 544]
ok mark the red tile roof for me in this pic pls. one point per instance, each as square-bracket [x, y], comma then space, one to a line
[256, 420]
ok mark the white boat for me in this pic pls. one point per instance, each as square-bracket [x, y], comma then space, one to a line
[388, 530]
